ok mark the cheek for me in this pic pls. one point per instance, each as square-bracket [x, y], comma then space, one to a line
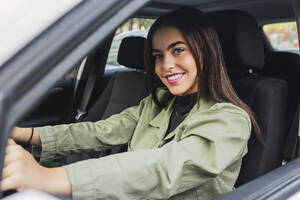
[195, 71]
[187, 61]
[192, 66]
[158, 72]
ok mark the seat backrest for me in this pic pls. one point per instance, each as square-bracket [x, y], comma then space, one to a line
[125, 88]
[286, 66]
[244, 56]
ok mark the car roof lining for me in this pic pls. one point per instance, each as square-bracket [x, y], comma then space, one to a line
[265, 11]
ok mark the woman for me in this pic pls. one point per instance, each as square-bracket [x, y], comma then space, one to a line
[185, 141]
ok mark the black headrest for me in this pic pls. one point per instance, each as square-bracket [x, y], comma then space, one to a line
[240, 38]
[131, 52]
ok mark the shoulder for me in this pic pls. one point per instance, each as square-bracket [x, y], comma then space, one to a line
[222, 117]
[219, 109]
[228, 109]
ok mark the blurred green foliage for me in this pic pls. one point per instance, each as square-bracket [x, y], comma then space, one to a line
[135, 24]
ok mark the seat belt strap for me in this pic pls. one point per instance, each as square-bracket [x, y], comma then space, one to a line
[89, 86]
[75, 86]
[291, 143]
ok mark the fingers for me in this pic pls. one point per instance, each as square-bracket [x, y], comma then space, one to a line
[9, 169]
[20, 169]
[10, 176]
[14, 153]
[9, 183]
[12, 159]
[13, 166]
[13, 148]
[11, 141]
[8, 159]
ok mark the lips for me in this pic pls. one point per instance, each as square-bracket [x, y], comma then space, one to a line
[174, 78]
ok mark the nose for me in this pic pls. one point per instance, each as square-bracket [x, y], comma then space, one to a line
[168, 63]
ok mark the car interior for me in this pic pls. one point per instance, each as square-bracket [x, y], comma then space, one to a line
[266, 79]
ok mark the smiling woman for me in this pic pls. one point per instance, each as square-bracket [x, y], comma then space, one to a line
[185, 140]
[202, 57]
[174, 62]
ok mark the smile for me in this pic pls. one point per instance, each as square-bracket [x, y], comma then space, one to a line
[174, 78]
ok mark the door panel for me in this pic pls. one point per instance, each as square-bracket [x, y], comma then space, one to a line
[278, 184]
[53, 108]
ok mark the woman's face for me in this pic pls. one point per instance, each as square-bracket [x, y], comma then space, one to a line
[174, 62]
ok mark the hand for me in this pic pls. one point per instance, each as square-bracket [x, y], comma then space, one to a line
[21, 171]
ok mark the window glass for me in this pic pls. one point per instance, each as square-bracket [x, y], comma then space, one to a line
[282, 36]
[22, 21]
[132, 27]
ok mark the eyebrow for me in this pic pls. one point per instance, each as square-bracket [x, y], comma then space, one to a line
[173, 44]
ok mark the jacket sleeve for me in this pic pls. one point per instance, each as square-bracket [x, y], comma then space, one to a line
[216, 142]
[61, 140]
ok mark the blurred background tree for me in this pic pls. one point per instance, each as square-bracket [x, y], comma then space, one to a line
[135, 24]
[282, 36]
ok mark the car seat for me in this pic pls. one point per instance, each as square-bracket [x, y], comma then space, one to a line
[286, 66]
[244, 56]
[125, 88]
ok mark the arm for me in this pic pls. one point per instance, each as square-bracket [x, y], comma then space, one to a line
[22, 135]
[21, 171]
[62, 140]
[207, 149]
[210, 148]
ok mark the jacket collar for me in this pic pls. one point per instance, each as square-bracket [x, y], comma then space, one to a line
[162, 119]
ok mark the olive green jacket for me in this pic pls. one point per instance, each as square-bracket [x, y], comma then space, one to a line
[200, 159]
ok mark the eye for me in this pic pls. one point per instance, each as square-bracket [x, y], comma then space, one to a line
[178, 50]
[157, 56]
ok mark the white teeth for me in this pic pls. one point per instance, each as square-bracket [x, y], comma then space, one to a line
[174, 77]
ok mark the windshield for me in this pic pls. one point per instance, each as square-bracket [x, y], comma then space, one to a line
[21, 21]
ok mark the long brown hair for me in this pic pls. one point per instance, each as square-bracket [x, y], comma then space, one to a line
[203, 41]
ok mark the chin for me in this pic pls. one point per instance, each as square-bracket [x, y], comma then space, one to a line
[177, 92]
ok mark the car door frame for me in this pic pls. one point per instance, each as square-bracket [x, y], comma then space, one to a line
[75, 34]
[94, 21]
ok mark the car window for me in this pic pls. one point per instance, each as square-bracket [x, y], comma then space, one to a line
[295, 196]
[132, 27]
[282, 36]
[21, 21]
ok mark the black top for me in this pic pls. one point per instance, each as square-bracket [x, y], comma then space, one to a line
[182, 106]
